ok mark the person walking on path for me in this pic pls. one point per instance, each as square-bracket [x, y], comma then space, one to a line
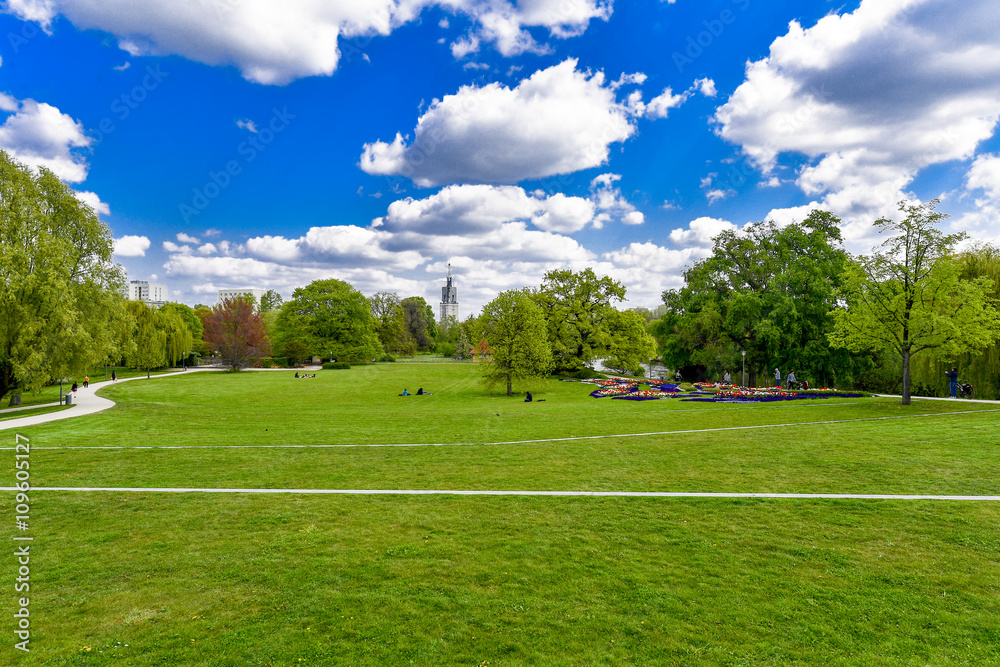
[777, 377]
[86, 381]
[790, 380]
[114, 376]
[953, 381]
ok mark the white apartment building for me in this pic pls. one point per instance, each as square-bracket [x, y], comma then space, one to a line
[153, 294]
[256, 294]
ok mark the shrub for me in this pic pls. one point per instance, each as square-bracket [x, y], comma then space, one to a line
[335, 365]
[387, 357]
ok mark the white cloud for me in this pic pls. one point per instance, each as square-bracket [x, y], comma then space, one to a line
[985, 175]
[170, 246]
[247, 124]
[275, 43]
[504, 24]
[92, 200]
[700, 232]
[871, 97]
[557, 121]
[718, 194]
[705, 86]
[131, 246]
[39, 135]
[187, 238]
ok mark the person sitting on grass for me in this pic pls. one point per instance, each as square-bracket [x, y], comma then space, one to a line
[405, 393]
[296, 375]
[527, 399]
[421, 392]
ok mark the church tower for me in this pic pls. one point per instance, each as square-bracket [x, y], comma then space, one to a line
[449, 299]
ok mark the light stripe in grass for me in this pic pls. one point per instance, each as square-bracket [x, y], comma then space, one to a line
[460, 492]
[529, 442]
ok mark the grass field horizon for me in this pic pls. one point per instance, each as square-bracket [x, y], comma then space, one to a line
[243, 579]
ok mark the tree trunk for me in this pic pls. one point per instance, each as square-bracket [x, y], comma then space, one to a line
[509, 389]
[906, 377]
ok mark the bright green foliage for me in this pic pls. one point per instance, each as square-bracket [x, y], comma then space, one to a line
[418, 319]
[577, 308]
[630, 345]
[60, 294]
[270, 301]
[909, 296]
[767, 290]
[331, 318]
[514, 327]
[148, 337]
[390, 323]
[193, 322]
[179, 340]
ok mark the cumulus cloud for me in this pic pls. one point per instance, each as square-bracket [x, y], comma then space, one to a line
[40, 135]
[557, 121]
[870, 98]
[131, 246]
[275, 43]
[92, 200]
[187, 238]
[700, 232]
[474, 211]
[505, 24]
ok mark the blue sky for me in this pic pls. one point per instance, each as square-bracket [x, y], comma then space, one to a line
[246, 143]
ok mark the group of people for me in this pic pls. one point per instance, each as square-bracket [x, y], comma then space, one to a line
[420, 392]
[304, 375]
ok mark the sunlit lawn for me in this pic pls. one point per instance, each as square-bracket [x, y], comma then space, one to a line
[241, 579]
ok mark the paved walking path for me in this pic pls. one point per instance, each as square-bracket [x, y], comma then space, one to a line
[85, 402]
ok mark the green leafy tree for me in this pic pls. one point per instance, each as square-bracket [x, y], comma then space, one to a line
[390, 323]
[236, 330]
[332, 318]
[908, 296]
[148, 336]
[419, 322]
[193, 323]
[577, 308]
[767, 290]
[61, 303]
[271, 300]
[631, 345]
[514, 328]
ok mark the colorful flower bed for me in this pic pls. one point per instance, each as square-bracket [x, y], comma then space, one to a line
[628, 389]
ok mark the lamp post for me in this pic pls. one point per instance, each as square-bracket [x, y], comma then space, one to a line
[744, 374]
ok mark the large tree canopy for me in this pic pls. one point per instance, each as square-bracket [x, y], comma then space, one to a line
[236, 330]
[331, 318]
[61, 296]
[908, 296]
[577, 308]
[513, 326]
[767, 290]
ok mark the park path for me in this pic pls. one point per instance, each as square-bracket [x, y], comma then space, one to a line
[87, 402]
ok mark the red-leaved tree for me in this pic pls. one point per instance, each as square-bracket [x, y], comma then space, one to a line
[237, 332]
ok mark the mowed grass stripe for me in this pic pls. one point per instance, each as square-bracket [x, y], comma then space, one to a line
[526, 442]
[484, 492]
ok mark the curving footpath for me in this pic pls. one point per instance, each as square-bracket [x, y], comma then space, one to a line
[87, 402]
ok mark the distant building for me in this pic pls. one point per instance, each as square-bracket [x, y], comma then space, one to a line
[151, 294]
[256, 294]
[449, 300]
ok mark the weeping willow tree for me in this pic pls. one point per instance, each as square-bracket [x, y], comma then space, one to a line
[982, 369]
[179, 339]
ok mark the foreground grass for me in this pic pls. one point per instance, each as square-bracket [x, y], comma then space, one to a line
[240, 580]
[212, 579]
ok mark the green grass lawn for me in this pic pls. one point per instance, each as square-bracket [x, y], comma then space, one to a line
[250, 579]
